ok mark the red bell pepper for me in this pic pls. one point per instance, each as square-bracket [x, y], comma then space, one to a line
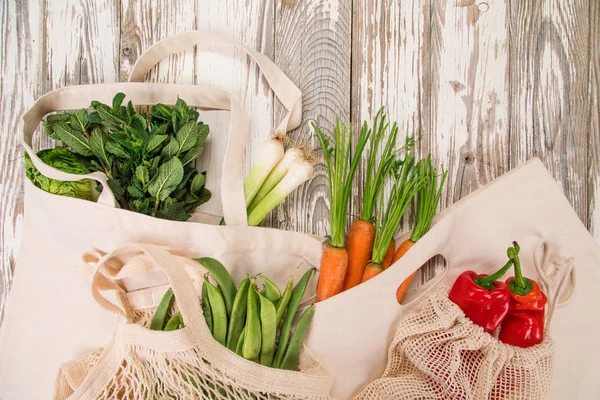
[482, 298]
[524, 323]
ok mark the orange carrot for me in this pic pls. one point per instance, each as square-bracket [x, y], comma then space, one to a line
[334, 265]
[341, 168]
[427, 202]
[372, 269]
[360, 246]
[404, 247]
[387, 260]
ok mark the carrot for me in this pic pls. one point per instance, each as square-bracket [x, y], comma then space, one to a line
[407, 184]
[360, 246]
[341, 168]
[362, 231]
[334, 264]
[427, 202]
[387, 260]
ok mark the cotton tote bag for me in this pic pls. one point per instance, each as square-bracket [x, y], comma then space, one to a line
[351, 332]
[50, 316]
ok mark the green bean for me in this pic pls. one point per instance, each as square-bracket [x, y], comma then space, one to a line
[158, 320]
[284, 334]
[174, 322]
[238, 314]
[223, 278]
[292, 354]
[268, 324]
[240, 344]
[285, 299]
[219, 313]
[271, 291]
[252, 340]
[206, 309]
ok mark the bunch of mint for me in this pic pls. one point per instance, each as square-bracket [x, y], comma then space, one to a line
[148, 157]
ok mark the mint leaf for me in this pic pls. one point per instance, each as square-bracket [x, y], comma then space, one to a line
[192, 154]
[130, 109]
[98, 141]
[187, 136]
[142, 174]
[167, 178]
[135, 192]
[198, 184]
[117, 101]
[94, 118]
[162, 111]
[174, 212]
[116, 149]
[154, 142]
[203, 131]
[74, 139]
[170, 149]
[81, 116]
[116, 188]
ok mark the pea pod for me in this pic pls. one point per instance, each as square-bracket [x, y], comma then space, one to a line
[206, 309]
[219, 312]
[292, 354]
[174, 322]
[268, 325]
[284, 334]
[223, 278]
[252, 340]
[271, 291]
[238, 314]
[285, 299]
[158, 320]
[240, 344]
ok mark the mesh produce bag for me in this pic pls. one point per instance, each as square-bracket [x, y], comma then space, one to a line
[438, 353]
[186, 363]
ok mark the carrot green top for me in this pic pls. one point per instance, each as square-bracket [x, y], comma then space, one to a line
[341, 167]
[428, 197]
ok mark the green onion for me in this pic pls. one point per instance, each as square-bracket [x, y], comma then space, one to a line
[341, 167]
[301, 170]
[269, 155]
[276, 175]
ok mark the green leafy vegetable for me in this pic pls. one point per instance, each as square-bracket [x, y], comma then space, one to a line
[148, 158]
[63, 160]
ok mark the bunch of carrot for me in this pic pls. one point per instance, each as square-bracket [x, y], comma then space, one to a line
[370, 244]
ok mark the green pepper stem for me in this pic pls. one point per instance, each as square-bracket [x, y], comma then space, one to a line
[519, 280]
[487, 281]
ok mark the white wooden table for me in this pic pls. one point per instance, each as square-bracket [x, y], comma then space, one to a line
[486, 84]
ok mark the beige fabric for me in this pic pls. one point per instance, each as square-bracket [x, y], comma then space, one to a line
[186, 363]
[437, 351]
[524, 205]
[50, 316]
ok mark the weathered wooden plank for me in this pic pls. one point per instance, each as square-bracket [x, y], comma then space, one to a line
[250, 23]
[390, 41]
[312, 46]
[594, 129]
[467, 112]
[19, 63]
[549, 108]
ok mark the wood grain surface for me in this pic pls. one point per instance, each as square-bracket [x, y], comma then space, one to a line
[484, 84]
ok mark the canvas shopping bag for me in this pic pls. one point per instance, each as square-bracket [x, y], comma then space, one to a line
[525, 205]
[50, 317]
[437, 352]
[187, 363]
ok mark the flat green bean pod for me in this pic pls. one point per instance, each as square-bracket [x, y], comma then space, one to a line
[237, 321]
[284, 334]
[239, 350]
[174, 322]
[219, 312]
[158, 320]
[285, 299]
[252, 340]
[270, 291]
[268, 324]
[292, 355]
[206, 309]
[223, 278]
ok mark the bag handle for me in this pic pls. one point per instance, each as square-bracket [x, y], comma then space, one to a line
[203, 97]
[285, 90]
